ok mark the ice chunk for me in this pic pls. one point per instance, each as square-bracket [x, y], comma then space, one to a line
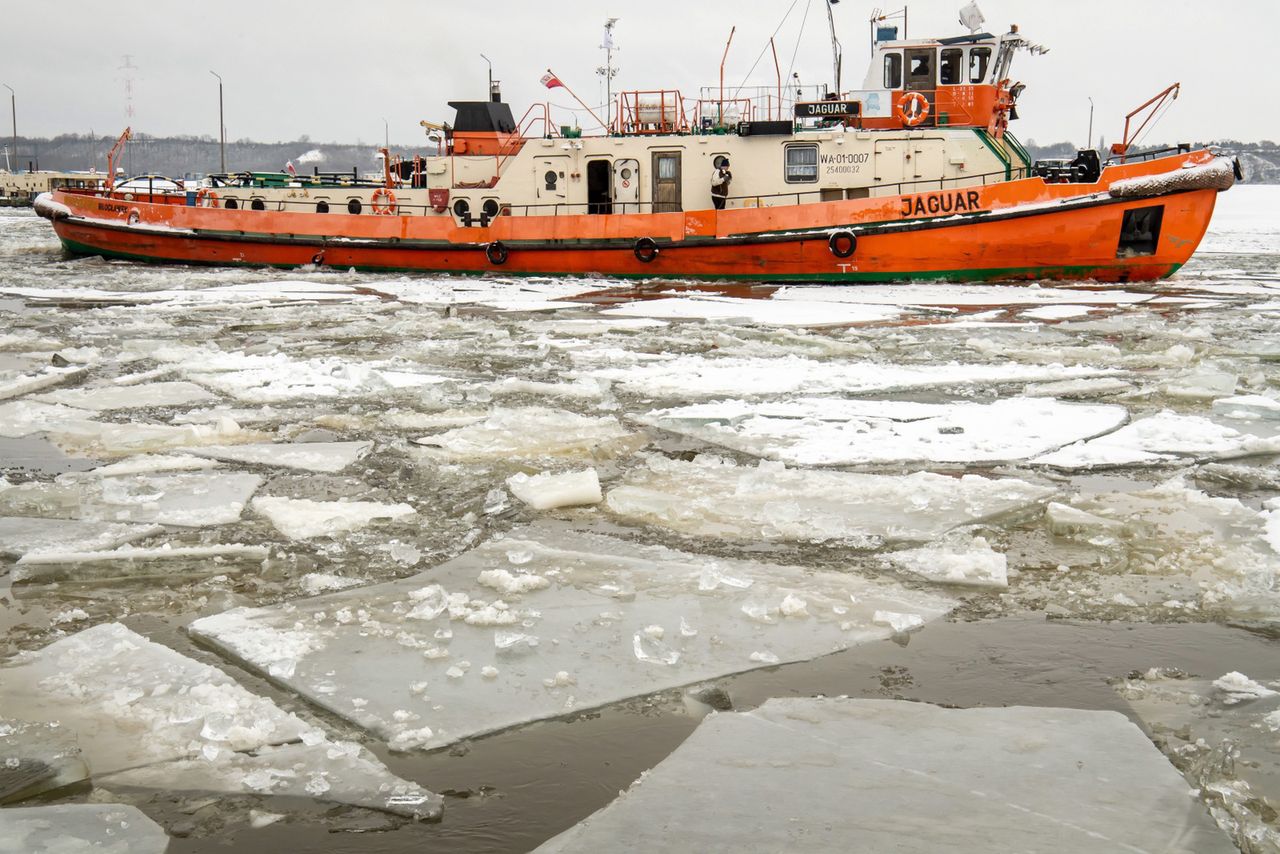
[955, 294]
[547, 490]
[641, 588]
[339, 772]
[302, 518]
[277, 378]
[794, 312]
[89, 438]
[21, 535]
[1203, 384]
[905, 777]
[188, 500]
[132, 702]
[1160, 438]
[75, 828]
[142, 396]
[233, 551]
[14, 384]
[23, 417]
[899, 623]
[35, 758]
[1057, 312]
[144, 464]
[530, 432]
[310, 456]
[1248, 406]
[973, 563]
[1238, 688]
[695, 376]
[714, 497]
[319, 582]
[818, 431]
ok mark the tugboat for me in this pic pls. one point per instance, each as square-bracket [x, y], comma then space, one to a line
[913, 176]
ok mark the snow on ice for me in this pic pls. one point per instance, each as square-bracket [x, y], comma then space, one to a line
[529, 433]
[303, 518]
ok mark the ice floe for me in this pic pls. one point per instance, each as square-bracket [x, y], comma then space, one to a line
[188, 499]
[821, 431]
[905, 777]
[23, 417]
[1247, 406]
[793, 312]
[141, 396]
[310, 456]
[23, 535]
[76, 828]
[13, 384]
[1163, 437]
[546, 490]
[954, 294]
[695, 376]
[970, 563]
[232, 551]
[548, 621]
[303, 518]
[35, 758]
[529, 433]
[713, 497]
[90, 438]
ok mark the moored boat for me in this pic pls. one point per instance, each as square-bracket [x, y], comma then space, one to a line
[913, 176]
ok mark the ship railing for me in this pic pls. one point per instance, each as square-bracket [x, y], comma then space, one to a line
[800, 197]
[1153, 154]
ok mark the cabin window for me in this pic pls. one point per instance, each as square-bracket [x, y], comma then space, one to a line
[920, 69]
[802, 164]
[979, 59]
[893, 71]
[949, 68]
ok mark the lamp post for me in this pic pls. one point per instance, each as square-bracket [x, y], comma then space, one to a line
[1090, 139]
[13, 108]
[222, 127]
[486, 59]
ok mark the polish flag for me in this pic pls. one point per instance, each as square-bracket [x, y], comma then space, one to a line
[551, 81]
[288, 167]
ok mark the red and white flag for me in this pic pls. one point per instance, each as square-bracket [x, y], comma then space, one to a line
[288, 167]
[551, 81]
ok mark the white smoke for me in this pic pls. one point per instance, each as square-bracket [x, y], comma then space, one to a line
[315, 155]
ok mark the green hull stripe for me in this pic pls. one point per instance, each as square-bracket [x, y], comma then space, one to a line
[852, 277]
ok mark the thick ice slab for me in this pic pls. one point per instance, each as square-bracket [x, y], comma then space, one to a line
[819, 431]
[133, 702]
[342, 772]
[310, 456]
[546, 622]
[303, 518]
[883, 775]
[56, 556]
[22, 535]
[278, 378]
[966, 562]
[141, 396]
[1224, 734]
[1248, 406]
[714, 497]
[1162, 437]
[192, 500]
[35, 758]
[24, 417]
[77, 828]
[692, 376]
[793, 312]
[530, 432]
[546, 490]
[89, 438]
[14, 384]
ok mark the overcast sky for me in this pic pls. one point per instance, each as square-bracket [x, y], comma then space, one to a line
[335, 70]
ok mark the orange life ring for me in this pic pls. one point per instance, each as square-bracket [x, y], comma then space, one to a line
[206, 198]
[913, 109]
[383, 201]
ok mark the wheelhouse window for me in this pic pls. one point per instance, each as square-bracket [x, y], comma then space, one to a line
[920, 67]
[979, 59]
[893, 71]
[802, 164]
[949, 70]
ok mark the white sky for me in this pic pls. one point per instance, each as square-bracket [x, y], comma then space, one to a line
[334, 70]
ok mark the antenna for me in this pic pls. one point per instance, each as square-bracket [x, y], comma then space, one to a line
[608, 70]
[128, 68]
[837, 52]
[971, 17]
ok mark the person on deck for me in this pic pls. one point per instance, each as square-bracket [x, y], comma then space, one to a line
[720, 184]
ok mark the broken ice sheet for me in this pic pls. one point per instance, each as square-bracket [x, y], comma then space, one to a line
[14, 384]
[23, 417]
[311, 456]
[1162, 437]
[531, 432]
[966, 562]
[303, 518]
[21, 535]
[278, 378]
[545, 622]
[106, 398]
[1226, 742]
[696, 376]
[713, 497]
[823, 431]
[35, 758]
[75, 828]
[756, 311]
[954, 294]
[546, 490]
[89, 438]
[194, 499]
[905, 777]
[132, 702]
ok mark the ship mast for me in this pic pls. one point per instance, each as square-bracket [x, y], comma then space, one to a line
[837, 51]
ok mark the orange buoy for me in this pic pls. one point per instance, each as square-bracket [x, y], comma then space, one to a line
[913, 109]
[383, 201]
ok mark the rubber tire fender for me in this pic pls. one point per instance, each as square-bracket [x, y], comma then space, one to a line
[842, 243]
[646, 250]
[496, 252]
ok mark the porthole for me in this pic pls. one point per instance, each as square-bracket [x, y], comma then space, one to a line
[322, 207]
[461, 208]
[231, 204]
[258, 205]
[625, 174]
[550, 179]
[717, 161]
[354, 206]
[490, 208]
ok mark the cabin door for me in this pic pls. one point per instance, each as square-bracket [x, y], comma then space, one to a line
[922, 76]
[550, 181]
[626, 185]
[666, 182]
[599, 187]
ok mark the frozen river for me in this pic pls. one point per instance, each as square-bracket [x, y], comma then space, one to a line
[319, 561]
